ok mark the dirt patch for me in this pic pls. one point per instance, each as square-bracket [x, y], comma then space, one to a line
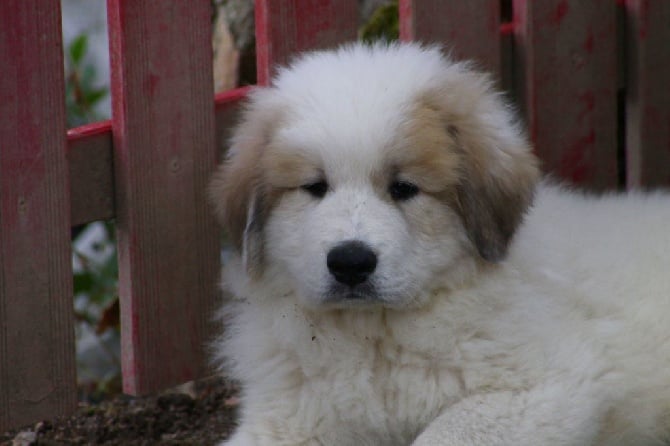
[203, 416]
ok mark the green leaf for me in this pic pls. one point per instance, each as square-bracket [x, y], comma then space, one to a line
[83, 282]
[93, 96]
[383, 24]
[78, 48]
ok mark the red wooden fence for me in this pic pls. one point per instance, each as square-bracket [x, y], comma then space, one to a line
[566, 61]
[37, 364]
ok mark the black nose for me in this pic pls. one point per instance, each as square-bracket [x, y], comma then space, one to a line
[351, 262]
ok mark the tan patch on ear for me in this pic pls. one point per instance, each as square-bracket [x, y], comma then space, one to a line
[493, 200]
[231, 189]
[238, 185]
[288, 168]
[263, 200]
[497, 171]
[425, 152]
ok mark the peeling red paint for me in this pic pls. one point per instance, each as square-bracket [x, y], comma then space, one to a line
[588, 99]
[507, 28]
[406, 20]
[640, 9]
[577, 162]
[560, 12]
[152, 84]
[589, 42]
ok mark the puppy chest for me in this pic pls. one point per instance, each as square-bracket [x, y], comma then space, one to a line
[395, 392]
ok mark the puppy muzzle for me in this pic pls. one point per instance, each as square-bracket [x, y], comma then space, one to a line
[351, 262]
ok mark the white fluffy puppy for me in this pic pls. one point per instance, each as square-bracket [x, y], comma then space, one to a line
[389, 291]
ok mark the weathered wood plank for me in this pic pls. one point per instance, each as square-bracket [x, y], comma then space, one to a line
[91, 170]
[469, 29]
[285, 27]
[647, 93]
[164, 153]
[37, 364]
[567, 49]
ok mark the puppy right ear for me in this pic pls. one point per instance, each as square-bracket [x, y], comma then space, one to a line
[498, 169]
[237, 190]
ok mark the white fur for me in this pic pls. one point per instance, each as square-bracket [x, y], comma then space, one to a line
[565, 342]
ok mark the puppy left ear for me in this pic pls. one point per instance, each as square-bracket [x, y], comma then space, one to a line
[498, 171]
[237, 190]
[492, 206]
[237, 195]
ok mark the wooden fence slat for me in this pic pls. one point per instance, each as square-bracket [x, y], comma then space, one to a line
[285, 27]
[567, 52]
[37, 364]
[90, 159]
[164, 153]
[470, 29]
[91, 165]
[647, 93]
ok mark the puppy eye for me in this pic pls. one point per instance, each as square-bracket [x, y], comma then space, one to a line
[317, 189]
[402, 190]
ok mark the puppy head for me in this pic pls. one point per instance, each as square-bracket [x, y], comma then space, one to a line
[373, 175]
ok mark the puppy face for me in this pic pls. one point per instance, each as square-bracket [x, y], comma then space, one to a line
[372, 176]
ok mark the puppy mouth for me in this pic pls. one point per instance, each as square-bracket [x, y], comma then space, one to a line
[343, 295]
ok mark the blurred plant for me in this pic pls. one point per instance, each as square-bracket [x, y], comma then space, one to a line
[383, 24]
[81, 93]
[96, 307]
[96, 281]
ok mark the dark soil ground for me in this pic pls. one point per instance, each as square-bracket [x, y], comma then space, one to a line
[204, 416]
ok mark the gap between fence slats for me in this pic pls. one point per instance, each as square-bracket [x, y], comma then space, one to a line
[285, 27]
[226, 115]
[647, 93]
[469, 29]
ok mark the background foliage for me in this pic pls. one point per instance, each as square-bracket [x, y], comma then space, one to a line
[95, 266]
